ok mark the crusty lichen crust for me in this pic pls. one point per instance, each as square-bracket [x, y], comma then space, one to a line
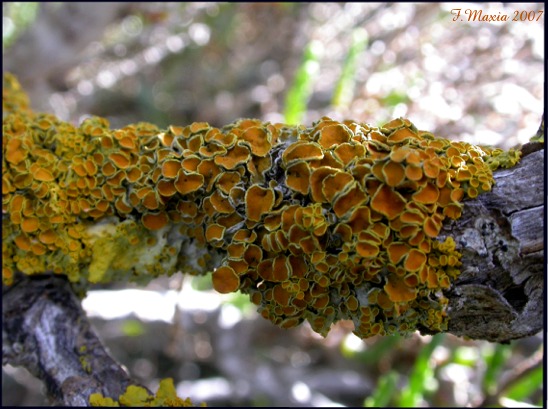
[137, 396]
[335, 221]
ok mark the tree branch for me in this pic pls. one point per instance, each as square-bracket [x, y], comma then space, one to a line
[45, 330]
[499, 293]
[266, 179]
[498, 296]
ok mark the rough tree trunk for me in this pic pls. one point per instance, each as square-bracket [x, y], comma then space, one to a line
[498, 296]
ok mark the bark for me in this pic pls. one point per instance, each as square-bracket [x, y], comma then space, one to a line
[45, 330]
[499, 295]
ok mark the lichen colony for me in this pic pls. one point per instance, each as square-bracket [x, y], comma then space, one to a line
[334, 221]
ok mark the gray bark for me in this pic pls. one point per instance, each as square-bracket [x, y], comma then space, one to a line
[499, 295]
[45, 330]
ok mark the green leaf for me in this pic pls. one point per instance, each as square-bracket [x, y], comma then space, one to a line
[385, 391]
[240, 301]
[524, 388]
[299, 93]
[395, 98]
[132, 328]
[201, 283]
[345, 86]
[421, 375]
[373, 353]
[494, 364]
[466, 356]
[16, 18]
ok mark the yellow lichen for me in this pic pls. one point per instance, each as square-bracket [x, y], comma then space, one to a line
[137, 396]
[335, 221]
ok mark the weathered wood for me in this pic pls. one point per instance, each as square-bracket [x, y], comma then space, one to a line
[499, 295]
[45, 330]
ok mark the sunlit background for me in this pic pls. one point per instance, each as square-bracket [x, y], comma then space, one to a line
[176, 63]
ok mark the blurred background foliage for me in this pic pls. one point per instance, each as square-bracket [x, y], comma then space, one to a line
[176, 63]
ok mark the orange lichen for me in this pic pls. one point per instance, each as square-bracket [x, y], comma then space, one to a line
[333, 135]
[166, 187]
[396, 251]
[23, 242]
[120, 159]
[394, 173]
[348, 201]
[415, 260]
[335, 184]
[227, 181]
[298, 177]
[233, 157]
[388, 202]
[316, 182]
[428, 194]
[258, 140]
[155, 221]
[43, 175]
[186, 183]
[398, 291]
[30, 225]
[214, 232]
[302, 150]
[225, 280]
[258, 201]
[170, 168]
[335, 221]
